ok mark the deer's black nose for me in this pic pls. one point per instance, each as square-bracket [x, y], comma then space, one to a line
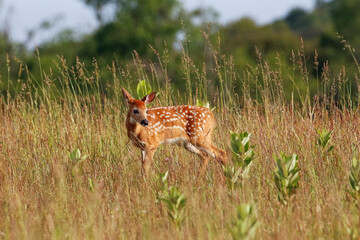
[144, 122]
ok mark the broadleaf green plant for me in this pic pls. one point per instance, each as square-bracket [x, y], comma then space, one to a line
[355, 175]
[323, 140]
[199, 103]
[243, 227]
[143, 88]
[76, 160]
[242, 157]
[174, 199]
[175, 202]
[75, 154]
[162, 185]
[353, 233]
[286, 176]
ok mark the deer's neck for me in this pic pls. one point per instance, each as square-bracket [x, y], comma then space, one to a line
[135, 133]
[131, 124]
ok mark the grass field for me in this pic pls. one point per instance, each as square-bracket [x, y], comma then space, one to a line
[47, 194]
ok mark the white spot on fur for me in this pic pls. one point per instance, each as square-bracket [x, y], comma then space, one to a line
[158, 129]
[156, 124]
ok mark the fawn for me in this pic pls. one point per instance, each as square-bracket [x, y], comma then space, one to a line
[187, 126]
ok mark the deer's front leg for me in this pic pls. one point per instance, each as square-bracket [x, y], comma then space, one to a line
[147, 156]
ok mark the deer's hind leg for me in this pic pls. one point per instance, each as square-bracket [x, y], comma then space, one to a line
[220, 154]
[192, 148]
[209, 148]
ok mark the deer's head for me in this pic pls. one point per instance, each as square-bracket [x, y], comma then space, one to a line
[137, 108]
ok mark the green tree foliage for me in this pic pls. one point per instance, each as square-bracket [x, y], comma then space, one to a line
[346, 18]
[137, 24]
[298, 19]
[98, 6]
[303, 23]
[242, 36]
[165, 24]
[9, 63]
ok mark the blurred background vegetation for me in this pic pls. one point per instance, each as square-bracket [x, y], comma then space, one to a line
[164, 35]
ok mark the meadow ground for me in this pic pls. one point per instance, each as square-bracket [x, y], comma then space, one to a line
[47, 194]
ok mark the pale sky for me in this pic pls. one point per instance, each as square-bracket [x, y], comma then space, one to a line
[24, 15]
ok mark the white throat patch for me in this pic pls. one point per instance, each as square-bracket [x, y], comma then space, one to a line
[132, 121]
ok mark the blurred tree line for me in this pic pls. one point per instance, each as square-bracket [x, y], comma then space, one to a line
[164, 28]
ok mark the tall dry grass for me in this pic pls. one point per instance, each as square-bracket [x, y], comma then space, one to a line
[44, 194]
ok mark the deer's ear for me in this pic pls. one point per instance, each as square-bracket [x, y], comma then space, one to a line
[149, 98]
[127, 95]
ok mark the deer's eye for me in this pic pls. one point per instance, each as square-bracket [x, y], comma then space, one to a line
[147, 111]
[136, 111]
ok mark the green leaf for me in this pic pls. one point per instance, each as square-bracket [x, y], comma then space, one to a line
[243, 155]
[354, 163]
[245, 224]
[202, 104]
[281, 167]
[91, 185]
[286, 176]
[355, 175]
[143, 88]
[75, 155]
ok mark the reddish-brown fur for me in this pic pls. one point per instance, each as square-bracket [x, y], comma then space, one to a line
[188, 126]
